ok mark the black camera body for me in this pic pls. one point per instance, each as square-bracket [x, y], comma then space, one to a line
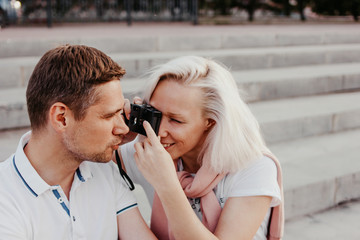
[140, 113]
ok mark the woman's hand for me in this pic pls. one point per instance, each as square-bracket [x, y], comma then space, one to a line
[154, 162]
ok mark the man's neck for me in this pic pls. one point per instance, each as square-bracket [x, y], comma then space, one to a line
[46, 154]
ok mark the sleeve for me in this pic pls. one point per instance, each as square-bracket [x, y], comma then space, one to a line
[11, 223]
[259, 179]
[125, 199]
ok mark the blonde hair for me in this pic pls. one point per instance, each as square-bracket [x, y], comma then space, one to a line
[235, 140]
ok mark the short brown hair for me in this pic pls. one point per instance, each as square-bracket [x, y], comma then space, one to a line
[68, 74]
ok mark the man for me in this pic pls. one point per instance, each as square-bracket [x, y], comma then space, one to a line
[60, 183]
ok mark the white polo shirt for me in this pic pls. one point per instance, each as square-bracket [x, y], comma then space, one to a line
[32, 209]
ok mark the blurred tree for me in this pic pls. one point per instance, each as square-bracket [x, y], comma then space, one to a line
[222, 6]
[329, 7]
[286, 7]
[250, 6]
[301, 4]
[283, 6]
[355, 9]
[337, 8]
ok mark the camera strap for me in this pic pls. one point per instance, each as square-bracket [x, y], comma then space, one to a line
[123, 174]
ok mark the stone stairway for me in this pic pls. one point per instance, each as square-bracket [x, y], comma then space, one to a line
[303, 88]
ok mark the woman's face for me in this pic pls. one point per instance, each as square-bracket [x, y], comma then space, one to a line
[183, 128]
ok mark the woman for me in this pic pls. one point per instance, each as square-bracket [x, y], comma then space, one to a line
[209, 152]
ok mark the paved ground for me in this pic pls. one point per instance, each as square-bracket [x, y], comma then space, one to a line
[342, 222]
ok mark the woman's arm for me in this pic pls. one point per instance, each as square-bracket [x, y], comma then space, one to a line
[131, 226]
[240, 218]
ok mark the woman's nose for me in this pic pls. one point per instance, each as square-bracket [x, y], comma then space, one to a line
[163, 129]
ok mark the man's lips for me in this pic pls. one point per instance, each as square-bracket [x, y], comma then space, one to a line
[115, 147]
[117, 144]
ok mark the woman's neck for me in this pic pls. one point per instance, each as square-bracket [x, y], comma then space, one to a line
[190, 165]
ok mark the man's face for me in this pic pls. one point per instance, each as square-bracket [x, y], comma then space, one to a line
[101, 131]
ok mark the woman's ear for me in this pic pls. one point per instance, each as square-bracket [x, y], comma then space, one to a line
[57, 116]
[209, 123]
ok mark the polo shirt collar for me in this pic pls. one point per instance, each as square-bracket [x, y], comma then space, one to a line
[29, 175]
[26, 171]
[83, 172]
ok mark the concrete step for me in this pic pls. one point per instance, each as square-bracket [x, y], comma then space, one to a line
[281, 120]
[269, 84]
[13, 110]
[247, 59]
[187, 39]
[319, 172]
[17, 70]
[287, 119]
[9, 139]
[340, 222]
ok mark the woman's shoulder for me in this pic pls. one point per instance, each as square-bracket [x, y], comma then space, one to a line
[263, 165]
[259, 178]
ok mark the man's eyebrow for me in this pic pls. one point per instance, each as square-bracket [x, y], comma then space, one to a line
[107, 113]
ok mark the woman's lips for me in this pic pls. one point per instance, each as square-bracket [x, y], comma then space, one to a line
[167, 145]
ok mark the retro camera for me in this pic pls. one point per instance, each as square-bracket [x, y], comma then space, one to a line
[140, 113]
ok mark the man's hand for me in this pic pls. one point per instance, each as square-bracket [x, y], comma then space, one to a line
[130, 136]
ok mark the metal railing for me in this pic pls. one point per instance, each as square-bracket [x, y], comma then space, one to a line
[50, 11]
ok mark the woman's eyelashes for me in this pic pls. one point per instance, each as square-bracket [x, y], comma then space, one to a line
[176, 120]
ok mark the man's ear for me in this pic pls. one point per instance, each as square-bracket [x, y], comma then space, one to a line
[58, 115]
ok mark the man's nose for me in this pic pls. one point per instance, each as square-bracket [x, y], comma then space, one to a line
[119, 126]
